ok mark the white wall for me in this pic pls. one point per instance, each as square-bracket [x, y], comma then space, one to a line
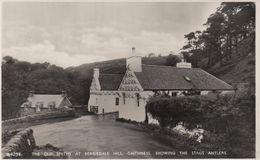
[131, 111]
[104, 101]
[135, 63]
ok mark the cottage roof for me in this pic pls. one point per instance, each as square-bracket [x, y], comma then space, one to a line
[155, 77]
[110, 81]
[45, 99]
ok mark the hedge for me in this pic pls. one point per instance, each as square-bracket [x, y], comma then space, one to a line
[229, 120]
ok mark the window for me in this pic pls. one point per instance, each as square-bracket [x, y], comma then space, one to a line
[138, 99]
[174, 94]
[51, 105]
[117, 101]
[124, 97]
[39, 106]
[94, 109]
[96, 101]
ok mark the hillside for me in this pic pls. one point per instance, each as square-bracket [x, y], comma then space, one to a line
[19, 77]
[117, 66]
[240, 69]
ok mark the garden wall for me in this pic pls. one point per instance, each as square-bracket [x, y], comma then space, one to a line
[41, 116]
[20, 145]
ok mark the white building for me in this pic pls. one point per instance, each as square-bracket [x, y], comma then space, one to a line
[128, 93]
[44, 102]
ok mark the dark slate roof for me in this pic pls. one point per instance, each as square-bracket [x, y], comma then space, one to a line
[110, 81]
[155, 77]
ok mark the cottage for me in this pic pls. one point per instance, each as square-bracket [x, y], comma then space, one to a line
[128, 93]
[44, 102]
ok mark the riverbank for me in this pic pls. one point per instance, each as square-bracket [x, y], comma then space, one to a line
[192, 148]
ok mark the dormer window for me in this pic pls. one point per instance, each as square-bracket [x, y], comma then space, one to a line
[51, 105]
[39, 106]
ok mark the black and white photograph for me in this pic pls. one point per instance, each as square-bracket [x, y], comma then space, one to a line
[128, 80]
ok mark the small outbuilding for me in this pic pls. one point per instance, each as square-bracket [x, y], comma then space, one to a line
[37, 103]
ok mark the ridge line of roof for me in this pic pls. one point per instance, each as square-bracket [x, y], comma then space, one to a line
[110, 74]
[168, 66]
[133, 56]
[46, 94]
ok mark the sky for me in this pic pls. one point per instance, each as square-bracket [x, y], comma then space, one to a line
[74, 33]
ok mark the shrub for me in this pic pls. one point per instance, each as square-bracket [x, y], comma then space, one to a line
[170, 111]
[229, 120]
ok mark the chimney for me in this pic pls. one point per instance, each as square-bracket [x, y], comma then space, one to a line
[31, 93]
[96, 79]
[63, 93]
[96, 73]
[183, 64]
[134, 62]
[133, 51]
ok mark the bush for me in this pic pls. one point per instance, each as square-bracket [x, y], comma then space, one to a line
[229, 120]
[170, 111]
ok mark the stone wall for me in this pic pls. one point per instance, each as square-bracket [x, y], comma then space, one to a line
[20, 145]
[27, 111]
[40, 116]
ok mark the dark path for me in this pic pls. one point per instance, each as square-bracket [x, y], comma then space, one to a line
[92, 133]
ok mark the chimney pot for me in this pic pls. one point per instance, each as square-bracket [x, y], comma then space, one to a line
[96, 73]
[134, 62]
[133, 50]
[31, 93]
[63, 93]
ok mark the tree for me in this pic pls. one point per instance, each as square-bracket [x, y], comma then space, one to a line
[213, 36]
[21, 77]
[151, 55]
[239, 21]
[194, 47]
[171, 60]
[231, 23]
[9, 60]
